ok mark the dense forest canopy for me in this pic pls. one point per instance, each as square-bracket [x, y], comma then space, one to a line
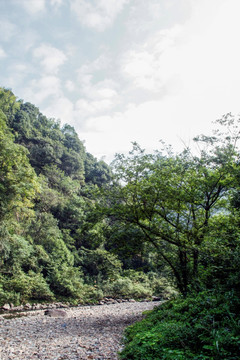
[56, 240]
[76, 229]
[47, 178]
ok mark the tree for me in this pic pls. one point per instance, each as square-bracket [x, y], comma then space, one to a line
[18, 181]
[18, 188]
[8, 104]
[172, 199]
[96, 172]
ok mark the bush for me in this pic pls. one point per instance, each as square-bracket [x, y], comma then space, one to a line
[23, 287]
[65, 281]
[99, 264]
[158, 284]
[206, 326]
[124, 287]
[8, 297]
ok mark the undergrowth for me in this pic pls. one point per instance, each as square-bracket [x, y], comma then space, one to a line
[201, 327]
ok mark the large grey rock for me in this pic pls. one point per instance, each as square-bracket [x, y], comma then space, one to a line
[55, 313]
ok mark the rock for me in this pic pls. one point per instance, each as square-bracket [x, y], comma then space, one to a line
[101, 303]
[38, 307]
[61, 305]
[6, 307]
[27, 306]
[18, 308]
[109, 301]
[51, 306]
[156, 298]
[87, 331]
[55, 313]
[132, 300]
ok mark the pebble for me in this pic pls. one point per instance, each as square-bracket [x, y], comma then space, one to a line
[87, 332]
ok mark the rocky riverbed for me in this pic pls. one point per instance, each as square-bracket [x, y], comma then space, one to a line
[85, 332]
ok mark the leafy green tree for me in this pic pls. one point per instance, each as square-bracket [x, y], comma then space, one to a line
[99, 264]
[171, 199]
[8, 104]
[18, 181]
[73, 156]
[96, 172]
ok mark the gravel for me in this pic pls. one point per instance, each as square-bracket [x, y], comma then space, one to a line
[87, 332]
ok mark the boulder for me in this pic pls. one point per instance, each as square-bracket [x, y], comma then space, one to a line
[55, 313]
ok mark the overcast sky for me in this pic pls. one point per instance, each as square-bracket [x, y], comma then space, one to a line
[124, 70]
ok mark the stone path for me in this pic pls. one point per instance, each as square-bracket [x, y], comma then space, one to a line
[87, 332]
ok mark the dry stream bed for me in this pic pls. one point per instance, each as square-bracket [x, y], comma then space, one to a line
[85, 332]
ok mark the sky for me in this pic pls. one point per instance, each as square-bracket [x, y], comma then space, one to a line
[121, 71]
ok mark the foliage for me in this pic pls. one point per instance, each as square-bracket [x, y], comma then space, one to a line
[156, 284]
[99, 264]
[18, 182]
[124, 287]
[171, 199]
[44, 218]
[8, 104]
[203, 326]
[22, 287]
[71, 230]
[96, 172]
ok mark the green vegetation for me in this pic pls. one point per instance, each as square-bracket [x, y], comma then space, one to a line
[188, 209]
[202, 326]
[55, 241]
[74, 229]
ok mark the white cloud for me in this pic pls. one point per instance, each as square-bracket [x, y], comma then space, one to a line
[61, 108]
[86, 108]
[196, 63]
[100, 63]
[7, 30]
[88, 71]
[98, 96]
[179, 71]
[39, 90]
[16, 76]
[145, 66]
[33, 7]
[100, 90]
[50, 57]
[2, 53]
[146, 123]
[70, 86]
[99, 15]
[56, 3]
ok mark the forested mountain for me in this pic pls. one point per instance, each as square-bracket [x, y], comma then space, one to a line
[45, 175]
[55, 242]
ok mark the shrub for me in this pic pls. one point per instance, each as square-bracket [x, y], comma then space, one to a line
[158, 284]
[206, 326]
[23, 287]
[7, 297]
[99, 264]
[65, 281]
[125, 288]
